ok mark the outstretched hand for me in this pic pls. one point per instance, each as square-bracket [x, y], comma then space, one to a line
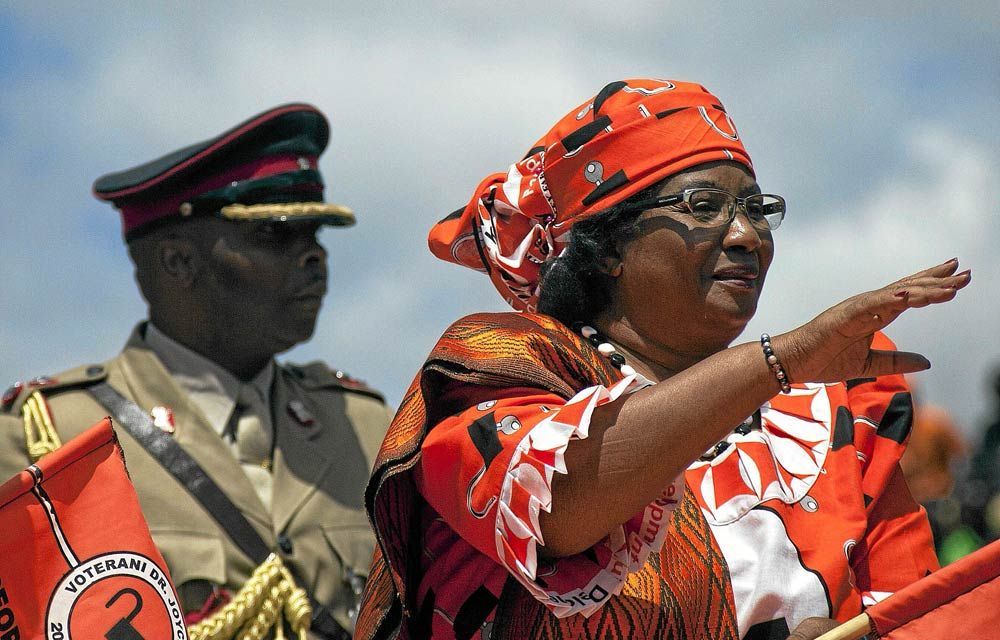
[836, 344]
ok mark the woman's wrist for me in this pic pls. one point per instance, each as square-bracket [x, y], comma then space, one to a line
[787, 350]
[774, 363]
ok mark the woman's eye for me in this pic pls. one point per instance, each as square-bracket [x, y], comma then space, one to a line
[704, 210]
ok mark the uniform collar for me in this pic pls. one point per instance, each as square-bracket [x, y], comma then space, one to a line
[211, 388]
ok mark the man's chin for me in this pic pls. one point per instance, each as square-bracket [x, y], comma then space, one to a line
[292, 336]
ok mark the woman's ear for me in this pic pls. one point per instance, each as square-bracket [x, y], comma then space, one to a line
[613, 267]
[613, 264]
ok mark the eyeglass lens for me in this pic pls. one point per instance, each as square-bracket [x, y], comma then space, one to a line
[714, 207]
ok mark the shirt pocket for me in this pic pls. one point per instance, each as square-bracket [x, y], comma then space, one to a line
[351, 547]
[196, 561]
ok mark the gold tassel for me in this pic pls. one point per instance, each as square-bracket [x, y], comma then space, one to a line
[298, 611]
[258, 608]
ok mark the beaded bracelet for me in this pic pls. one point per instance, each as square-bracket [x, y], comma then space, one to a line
[772, 361]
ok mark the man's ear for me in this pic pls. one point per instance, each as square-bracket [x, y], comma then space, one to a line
[179, 260]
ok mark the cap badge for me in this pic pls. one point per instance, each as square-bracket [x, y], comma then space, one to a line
[163, 417]
[186, 209]
[304, 163]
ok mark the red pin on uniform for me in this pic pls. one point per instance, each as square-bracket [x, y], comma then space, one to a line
[163, 417]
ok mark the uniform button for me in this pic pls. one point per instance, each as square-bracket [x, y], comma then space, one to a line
[285, 543]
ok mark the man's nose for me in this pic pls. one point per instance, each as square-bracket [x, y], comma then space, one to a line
[313, 257]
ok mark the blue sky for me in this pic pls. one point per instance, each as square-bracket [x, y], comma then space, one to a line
[878, 121]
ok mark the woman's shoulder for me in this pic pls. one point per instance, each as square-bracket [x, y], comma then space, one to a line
[508, 325]
[511, 320]
[522, 349]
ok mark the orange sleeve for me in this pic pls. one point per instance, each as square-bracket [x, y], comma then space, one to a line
[487, 471]
[898, 547]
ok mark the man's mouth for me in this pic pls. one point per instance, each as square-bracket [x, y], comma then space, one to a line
[312, 292]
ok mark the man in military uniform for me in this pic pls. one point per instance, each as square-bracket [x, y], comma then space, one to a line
[223, 237]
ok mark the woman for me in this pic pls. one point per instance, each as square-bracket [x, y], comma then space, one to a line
[576, 472]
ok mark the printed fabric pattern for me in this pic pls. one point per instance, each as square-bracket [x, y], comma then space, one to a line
[780, 460]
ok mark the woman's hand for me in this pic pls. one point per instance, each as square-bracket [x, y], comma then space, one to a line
[836, 345]
[813, 628]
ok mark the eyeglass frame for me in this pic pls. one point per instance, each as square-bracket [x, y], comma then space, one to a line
[685, 196]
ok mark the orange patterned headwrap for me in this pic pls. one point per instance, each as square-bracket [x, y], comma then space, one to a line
[629, 136]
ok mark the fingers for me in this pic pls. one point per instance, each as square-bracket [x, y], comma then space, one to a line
[912, 293]
[954, 280]
[940, 276]
[923, 292]
[931, 286]
[883, 363]
[942, 270]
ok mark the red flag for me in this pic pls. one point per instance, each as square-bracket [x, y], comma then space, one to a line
[76, 557]
[962, 598]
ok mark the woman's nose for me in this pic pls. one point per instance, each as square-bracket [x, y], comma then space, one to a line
[741, 233]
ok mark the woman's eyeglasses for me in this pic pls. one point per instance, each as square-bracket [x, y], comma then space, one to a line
[716, 208]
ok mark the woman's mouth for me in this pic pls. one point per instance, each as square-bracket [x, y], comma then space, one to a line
[736, 277]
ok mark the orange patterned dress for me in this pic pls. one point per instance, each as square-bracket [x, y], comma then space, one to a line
[788, 520]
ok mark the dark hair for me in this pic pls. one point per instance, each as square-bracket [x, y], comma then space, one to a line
[574, 286]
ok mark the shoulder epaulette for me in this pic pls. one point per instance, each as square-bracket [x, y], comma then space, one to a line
[317, 375]
[30, 399]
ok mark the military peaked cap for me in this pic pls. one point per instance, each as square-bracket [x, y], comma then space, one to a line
[263, 169]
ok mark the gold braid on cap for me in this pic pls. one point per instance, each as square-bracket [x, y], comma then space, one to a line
[267, 211]
[258, 607]
[40, 434]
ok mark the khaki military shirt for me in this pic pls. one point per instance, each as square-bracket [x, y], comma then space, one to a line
[327, 430]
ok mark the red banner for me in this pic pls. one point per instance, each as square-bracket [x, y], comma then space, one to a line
[961, 599]
[76, 557]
